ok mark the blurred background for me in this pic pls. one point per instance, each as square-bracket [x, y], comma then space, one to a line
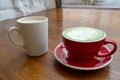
[16, 8]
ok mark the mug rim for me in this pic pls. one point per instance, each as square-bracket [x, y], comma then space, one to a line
[42, 19]
[104, 36]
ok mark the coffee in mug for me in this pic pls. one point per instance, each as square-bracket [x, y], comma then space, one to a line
[34, 31]
[84, 43]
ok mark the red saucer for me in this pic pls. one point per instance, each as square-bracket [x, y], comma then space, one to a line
[61, 54]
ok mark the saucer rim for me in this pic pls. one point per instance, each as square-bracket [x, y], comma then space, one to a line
[82, 68]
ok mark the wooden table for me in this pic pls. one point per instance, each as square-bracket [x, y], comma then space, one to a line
[16, 65]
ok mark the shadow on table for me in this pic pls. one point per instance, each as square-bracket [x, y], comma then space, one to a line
[76, 74]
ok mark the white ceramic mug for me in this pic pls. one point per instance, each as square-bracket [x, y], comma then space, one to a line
[34, 31]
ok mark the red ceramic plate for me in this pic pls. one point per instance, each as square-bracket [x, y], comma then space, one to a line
[61, 55]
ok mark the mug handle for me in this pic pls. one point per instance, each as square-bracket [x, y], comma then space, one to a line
[111, 52]
[11, 38]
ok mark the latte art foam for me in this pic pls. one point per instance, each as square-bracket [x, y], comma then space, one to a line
[83, 34]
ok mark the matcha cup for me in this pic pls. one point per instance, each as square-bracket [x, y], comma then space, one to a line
[85, 43]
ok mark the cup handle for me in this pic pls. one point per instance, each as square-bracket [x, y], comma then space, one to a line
[111, 52]
[11, 38]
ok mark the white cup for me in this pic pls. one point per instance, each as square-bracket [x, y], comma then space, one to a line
[34, 31]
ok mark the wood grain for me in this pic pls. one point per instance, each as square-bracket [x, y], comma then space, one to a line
[16, 65]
